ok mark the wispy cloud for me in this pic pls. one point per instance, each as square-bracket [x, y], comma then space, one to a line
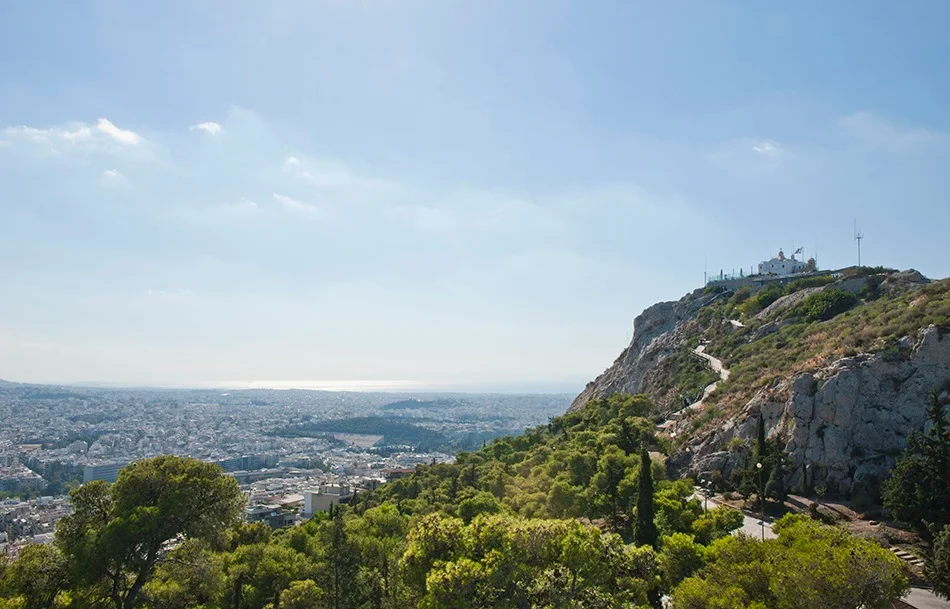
[172, 294]
[767, 148]
[751, 156]
[122, 136]
[78, 133]
[74, 137]
[208, 127]
[878, 132]
[295, 204]
[112, 177]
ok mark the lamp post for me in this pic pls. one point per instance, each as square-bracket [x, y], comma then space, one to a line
[758, 466]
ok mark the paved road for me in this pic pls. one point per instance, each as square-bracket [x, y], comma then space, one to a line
[924, 599]
[751, 525]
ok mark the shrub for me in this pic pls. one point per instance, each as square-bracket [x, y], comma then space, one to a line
[938, 564]
[808, 282]
[824, 305]
[761, 299]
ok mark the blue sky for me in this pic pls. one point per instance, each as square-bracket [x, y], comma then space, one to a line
[471, 195]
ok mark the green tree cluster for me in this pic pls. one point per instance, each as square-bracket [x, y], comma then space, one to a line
[763, 470]
[575, 513]
[918, 489]
[584, 464]
[809, 566]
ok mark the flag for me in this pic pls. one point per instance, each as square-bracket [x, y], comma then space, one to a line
[799, 250]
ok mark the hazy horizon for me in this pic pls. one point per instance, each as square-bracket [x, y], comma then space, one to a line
[449, 193]
[341, 386]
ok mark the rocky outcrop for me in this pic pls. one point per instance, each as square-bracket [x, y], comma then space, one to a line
[845, 425]
[785, 303]
[655, 337]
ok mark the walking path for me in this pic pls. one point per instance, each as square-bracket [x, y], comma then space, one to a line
[716, 366]
[921, 598]
[918, 598]
[753, 526]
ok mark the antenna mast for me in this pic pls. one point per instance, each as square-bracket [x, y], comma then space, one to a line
[857, 237]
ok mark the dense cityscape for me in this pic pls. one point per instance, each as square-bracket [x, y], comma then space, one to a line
[284, 447]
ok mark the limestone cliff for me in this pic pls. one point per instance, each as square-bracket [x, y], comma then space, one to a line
[657, 335]
[842, 394]
[847, 423]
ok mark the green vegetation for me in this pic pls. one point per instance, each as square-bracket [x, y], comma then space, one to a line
[750, 305]
[823, 305]
[809, 566]
[918, 490]
[798, 341]
[682, 379]
[938, 564]
[572, 514]
[818, 281]
[395, 431]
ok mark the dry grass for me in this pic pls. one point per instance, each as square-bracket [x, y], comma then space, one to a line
[874, 325]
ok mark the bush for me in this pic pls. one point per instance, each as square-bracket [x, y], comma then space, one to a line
[808, 282]
[716, 523]
[679, 558]
[824, 305]
[937, 567]
[761, 299]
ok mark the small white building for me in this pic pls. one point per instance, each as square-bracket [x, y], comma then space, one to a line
[320, 499]
[780, 265]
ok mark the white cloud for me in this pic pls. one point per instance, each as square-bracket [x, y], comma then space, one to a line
[751, 156]
[328, 173]
[208, 127]
[878, 132]
[767, 148]
[295, 204]
[120, 135]
[81, 132]
[112, 177]
[173, 294]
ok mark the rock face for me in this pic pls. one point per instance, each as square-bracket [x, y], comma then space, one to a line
[847, 423]
[655, 337]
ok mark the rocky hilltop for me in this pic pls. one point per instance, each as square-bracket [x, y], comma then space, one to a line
[839, 367]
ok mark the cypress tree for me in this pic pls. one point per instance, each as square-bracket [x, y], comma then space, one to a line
[776, 484]
[645, 533]
[918, 490]
[761, 449]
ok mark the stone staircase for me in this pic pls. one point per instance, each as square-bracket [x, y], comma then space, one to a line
[908, 557]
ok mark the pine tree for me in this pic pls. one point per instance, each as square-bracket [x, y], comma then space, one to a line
[645, 533]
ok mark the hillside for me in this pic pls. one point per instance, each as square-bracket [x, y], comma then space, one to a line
[838, 365]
